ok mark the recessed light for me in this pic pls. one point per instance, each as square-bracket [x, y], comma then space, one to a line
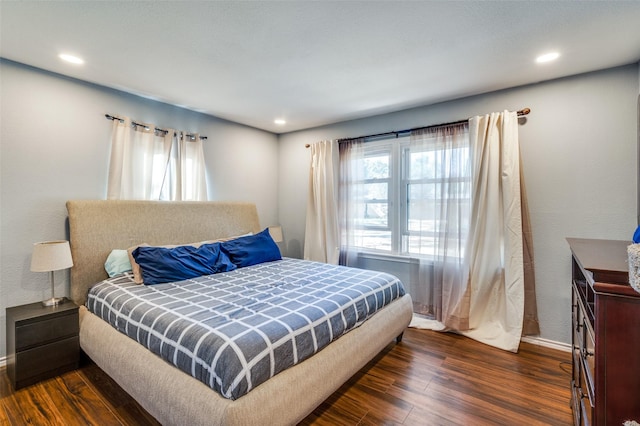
[547, 57]
[279, 121]
[71, 58]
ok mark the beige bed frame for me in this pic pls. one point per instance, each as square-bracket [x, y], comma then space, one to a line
[171, 396]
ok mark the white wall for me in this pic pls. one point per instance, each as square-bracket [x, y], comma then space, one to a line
[580, 164]
[578, 147]
[55, 147]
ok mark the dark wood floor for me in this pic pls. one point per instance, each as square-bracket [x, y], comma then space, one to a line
[429, 379]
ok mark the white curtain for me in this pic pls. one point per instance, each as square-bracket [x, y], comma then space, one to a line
[321, 233]
[438, 185]
[149, 165]
[496, 245]
[186, 176]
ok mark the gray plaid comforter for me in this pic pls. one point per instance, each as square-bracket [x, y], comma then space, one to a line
[235, 330]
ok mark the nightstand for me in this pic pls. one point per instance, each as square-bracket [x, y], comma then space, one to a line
[42, 342]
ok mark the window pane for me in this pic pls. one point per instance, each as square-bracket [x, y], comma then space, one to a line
[424, 191]
[438, 164]
[420, 245]
[376, 166]
[372, 214]
[372, 239]
[421, 217]
[422, 165]
[439, 190]
[433, 216]
[376, 191]
[426, 245]
[376, 214]
[427, 226]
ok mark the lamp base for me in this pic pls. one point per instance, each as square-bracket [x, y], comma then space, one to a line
[54, 301]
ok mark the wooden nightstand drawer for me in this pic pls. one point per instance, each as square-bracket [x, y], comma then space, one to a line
[46, 361]
[42, 332]
[42, 342]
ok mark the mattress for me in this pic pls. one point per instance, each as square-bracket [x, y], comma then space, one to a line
[235, 330]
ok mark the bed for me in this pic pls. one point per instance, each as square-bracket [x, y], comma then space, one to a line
[170, 395]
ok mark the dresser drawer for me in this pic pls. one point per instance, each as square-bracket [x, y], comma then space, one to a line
[47, 330]
[586, 411]
[605, 340]
[589, 360]
[51, 357]
[581, 406]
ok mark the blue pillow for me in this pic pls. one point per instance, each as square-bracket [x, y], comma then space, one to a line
[163, 265]
[252, 249]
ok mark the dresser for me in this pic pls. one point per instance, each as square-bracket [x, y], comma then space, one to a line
[42, 342]
[605, 311]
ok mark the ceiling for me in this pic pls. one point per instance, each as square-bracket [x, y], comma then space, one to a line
[320, 62]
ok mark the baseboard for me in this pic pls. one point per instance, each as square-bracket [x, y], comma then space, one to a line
[3, 361]
[552, 344]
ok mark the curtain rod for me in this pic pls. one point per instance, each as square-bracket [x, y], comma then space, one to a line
[522, 112]
[189, 135]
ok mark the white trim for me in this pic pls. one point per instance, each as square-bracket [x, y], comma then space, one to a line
[3, 361]
[388, 257]
[561, 346]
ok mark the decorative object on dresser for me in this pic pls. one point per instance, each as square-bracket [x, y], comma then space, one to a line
[50, 256]
[42, 342]
[634, 266]
[606, 334]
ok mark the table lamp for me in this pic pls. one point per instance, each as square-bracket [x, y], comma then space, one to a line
[50, 256]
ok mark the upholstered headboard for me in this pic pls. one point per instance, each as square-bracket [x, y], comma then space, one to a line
[98, 226]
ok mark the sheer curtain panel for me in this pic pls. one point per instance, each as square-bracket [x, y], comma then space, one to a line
[146, 164]
[351, 200]
[321, 241]
[438, 189]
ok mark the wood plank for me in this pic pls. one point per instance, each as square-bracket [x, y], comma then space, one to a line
[7, 402]
[125, 408]
[77, 402]
[31, 405]
[428, 378]
[339, 409]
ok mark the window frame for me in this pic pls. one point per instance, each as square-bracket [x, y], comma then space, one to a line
[399, 149]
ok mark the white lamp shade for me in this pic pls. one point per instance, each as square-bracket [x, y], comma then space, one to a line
[276, 233]
[51, 256]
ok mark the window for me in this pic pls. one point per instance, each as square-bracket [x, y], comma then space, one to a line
[373, 219]
[408, 193]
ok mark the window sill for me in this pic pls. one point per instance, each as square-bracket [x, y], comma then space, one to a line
[388, 257]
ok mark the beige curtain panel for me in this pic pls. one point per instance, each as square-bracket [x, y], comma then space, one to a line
[321, 241]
